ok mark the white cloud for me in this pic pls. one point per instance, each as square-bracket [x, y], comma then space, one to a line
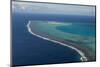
[56, 8]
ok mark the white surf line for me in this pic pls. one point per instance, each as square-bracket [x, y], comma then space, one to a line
[83, 58]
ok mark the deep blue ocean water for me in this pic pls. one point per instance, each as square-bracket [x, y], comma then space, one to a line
[29, 50]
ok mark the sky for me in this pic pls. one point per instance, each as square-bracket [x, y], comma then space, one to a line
[45, 8]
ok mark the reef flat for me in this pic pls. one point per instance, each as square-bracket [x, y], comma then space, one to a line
[84, 45]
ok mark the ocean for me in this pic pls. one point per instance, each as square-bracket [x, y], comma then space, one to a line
[28, 49]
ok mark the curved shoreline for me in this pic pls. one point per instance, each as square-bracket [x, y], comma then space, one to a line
[83, 57]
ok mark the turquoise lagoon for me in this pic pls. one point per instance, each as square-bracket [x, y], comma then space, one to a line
[82, 34]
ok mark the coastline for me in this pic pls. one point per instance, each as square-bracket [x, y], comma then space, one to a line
[83, 57]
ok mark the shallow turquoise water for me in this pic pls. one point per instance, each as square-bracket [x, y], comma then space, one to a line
[79, 29]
